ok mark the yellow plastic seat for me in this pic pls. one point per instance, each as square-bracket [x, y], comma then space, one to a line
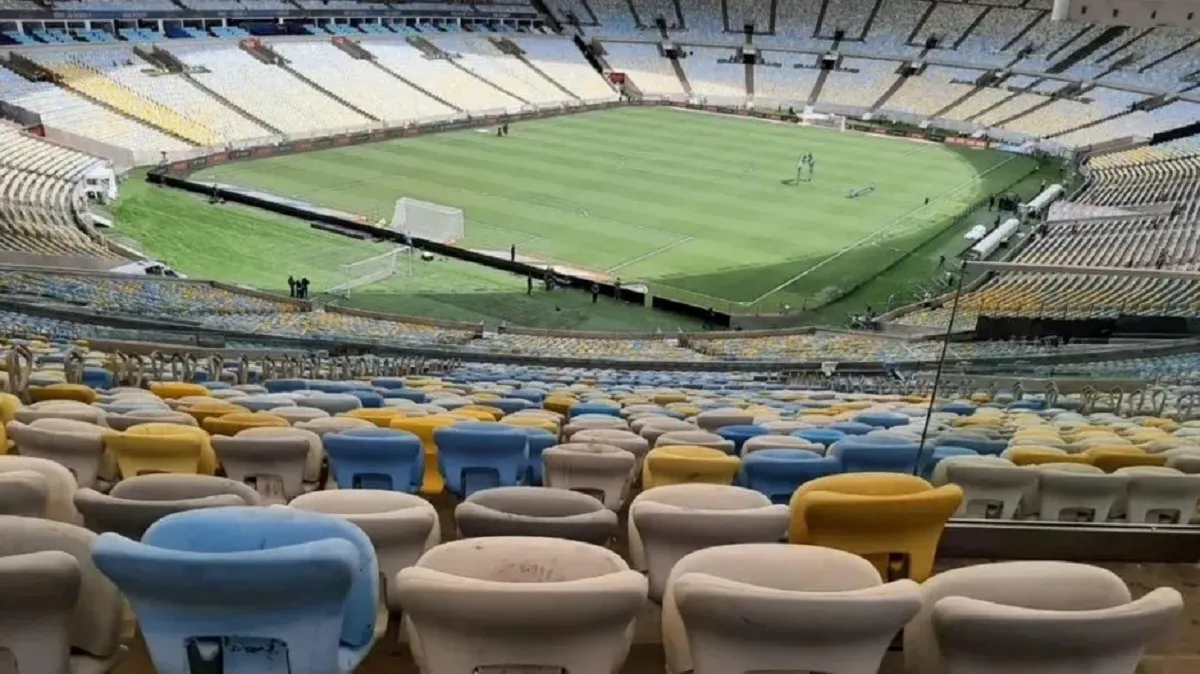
[679, 464]
[75, 392]
[669, 398]
[163, 451]
[531, 421]
[423, 427]
[1035, 456]
[482, 412]
[208, 457]
[9, 404]
[380, 416]
[169, 390]
[465, 414]
[232, 424]
[894, 521]
[484, 397]
[216, 408]
[1111, 459]
[686, 409]
[559, 404]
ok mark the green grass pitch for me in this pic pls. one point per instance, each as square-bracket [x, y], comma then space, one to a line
[694, 205]
[697, 206]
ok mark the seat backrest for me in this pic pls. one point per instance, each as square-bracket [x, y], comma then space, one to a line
[38, 593]
[24, 493]
[977, 635]
[1052, 586]
[60, 485]
[174, 486]
[237, 529]
[879, 527]
[96, 621]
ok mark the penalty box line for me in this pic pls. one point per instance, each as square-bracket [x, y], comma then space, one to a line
[878, 234]
[646, 256]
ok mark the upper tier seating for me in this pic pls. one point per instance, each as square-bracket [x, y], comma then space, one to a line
[642, 63]
[178, 94]
[83, 72]
[561, 61]
[258, 89]
[361, 83]
[66, 110]
[481, 57]
[442, 77]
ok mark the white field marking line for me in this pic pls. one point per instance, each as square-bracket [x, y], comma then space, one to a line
[873, 235]
[647, 256]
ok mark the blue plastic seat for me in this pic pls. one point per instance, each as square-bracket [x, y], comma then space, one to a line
[882, 419]
[962, 408]
[406, 394]
[739, 434]
[97, 378]
[510, 405]
[932, 456]
[540, 440]
[285, 385]
[325, 386]
[256, 589]
[376, 458]
[611, 409]
[852, 427]
[776, 473]
[876, 455]
[369, 399]
[474, 456]
[824, 436]
[531, 394]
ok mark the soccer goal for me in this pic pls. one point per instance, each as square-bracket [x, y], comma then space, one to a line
[426, 220]
[826, 120]
[374, 269]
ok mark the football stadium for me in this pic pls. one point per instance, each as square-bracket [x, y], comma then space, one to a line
[599, 336]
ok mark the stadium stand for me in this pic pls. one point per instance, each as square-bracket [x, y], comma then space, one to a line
[502, 70]
[362, 84]
[41, 189]
[380, 441]
[61, 108]
[257, 88]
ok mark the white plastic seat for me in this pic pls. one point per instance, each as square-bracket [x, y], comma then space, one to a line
[72, 625]
[272, 464]
[23, 493]
[667, 523]
[520, 602]
[60, 485]
[1052, 617]
[1159, 495]
[1073, 494]
[777, 607]
[603, 471]
[535, 511]
[992, 487]
[77, 446]
[402, 527]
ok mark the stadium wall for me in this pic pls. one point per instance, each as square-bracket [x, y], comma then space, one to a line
[167, 340]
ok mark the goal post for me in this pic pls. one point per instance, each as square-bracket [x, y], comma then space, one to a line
[427, 220]
[373, 270]
[822, 119]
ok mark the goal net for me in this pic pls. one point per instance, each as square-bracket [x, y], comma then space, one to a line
[826, 120]
[426, 220]
[373, 269]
